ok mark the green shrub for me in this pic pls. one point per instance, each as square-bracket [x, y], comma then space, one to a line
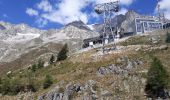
[10, 86]
[168, 37]
[14, 86]
[62, 55]
[33, 67]
[5, 86]
[47, 81]
[157, 80]
[40, 64]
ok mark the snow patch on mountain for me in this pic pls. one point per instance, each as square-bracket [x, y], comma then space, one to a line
[20, 37]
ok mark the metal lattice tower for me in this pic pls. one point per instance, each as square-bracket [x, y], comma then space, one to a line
[108, 10]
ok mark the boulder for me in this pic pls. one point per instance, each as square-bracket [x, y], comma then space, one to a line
[163, 47]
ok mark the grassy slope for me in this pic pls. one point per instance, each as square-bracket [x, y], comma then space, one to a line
[30, 57]
[83, 67]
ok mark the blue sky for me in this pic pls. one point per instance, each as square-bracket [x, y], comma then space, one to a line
[46, 14]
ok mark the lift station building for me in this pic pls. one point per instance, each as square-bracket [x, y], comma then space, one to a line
[144, 25]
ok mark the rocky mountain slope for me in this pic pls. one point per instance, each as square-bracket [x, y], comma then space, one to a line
[17, 41]
[119, 74]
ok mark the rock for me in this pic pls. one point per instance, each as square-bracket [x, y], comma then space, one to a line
[51, 95]
[94, 97]
[103, 71]
[119, 60]
[137, 49]
[40, 98]
[25, 96]
[58, 96]
[9, 72]
[46, 64]
[129, 65]
[85, 97]
[143, 80]
[106, 93]
[91, 82]
[163, 47]
[112, 69]
[68, 91]
[77, 87]
[126, 86]
[154, 40]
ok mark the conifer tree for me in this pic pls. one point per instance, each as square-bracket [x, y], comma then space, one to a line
[157, 80]
[62, 55]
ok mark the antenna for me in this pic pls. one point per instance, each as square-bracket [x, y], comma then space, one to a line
[159, 13]
[108, 10]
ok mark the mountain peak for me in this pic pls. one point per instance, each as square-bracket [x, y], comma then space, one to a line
[79, 24]
[131, 13]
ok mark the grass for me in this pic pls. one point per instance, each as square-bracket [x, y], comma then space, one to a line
[136, 41]
[81, 68]
[145, 39]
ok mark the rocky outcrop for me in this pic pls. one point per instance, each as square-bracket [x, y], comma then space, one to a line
[77, 91]
[58, 93]
[112, 69]
[120, 69]
[129, 24]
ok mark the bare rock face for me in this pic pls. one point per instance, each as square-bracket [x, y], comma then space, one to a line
[117, 20]
[78, 33]
[129, 24]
